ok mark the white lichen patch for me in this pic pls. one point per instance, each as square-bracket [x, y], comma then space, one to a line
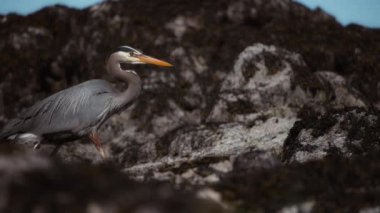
[27, 38]
[304, 207]
[375, 209]
[180, 24]
[224, 141]
[99, 10]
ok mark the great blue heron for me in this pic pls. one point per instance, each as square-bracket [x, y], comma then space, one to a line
[80, 110]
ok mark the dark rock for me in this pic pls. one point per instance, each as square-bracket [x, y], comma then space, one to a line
[333, 184]
[255, 159]
[31, 183]
[346, 132]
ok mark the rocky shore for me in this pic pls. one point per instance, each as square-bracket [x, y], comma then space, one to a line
[271, 107]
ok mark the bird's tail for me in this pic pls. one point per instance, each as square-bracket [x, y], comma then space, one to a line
[9, 129]
[3, 135]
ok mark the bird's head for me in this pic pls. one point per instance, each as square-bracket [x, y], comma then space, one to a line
[128, 55]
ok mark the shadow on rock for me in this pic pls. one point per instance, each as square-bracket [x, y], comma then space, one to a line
[32, 183]
[333, 184]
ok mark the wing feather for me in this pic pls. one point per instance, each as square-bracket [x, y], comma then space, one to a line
[66, 110]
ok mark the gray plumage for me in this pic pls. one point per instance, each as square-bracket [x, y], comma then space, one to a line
[72, 112]
[80, 110]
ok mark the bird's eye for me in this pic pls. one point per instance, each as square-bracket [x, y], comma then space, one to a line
[132, 54]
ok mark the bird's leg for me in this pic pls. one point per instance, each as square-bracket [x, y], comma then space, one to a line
[96, 140]
[37, 145]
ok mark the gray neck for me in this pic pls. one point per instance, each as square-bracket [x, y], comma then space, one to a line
[126, 97]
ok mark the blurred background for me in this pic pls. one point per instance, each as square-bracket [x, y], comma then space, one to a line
[345, 11]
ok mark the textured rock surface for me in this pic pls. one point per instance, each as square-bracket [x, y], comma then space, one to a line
[348, 132]
[259, 89]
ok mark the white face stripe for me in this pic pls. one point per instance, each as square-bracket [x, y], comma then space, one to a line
[127, 49]
[127, 58]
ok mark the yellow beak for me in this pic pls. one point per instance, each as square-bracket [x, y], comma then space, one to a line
[150, 60]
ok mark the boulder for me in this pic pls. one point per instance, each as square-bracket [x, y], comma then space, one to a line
[347, 132]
